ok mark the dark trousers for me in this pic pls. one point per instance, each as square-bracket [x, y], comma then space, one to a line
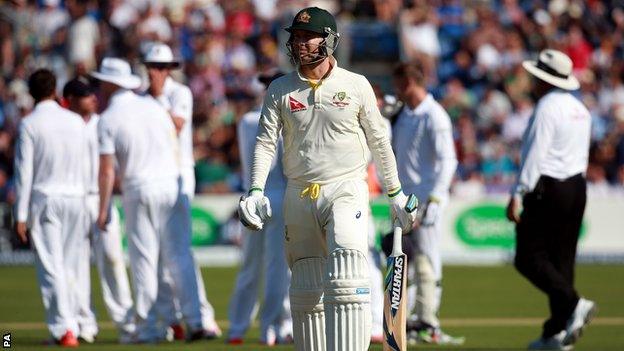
[546, 239]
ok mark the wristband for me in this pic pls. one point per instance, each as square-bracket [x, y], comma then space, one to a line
[394, 193]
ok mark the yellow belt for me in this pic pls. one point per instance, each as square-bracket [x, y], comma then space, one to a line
[314, 190]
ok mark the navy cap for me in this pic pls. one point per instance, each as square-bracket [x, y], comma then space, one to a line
[79, 87]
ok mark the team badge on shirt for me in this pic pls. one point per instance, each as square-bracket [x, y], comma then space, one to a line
[295, 105]
[340, 99]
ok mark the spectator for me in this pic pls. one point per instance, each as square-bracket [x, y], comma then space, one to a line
[83, 37]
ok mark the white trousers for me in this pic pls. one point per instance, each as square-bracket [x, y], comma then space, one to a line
[167, 303]
[263, 258]
[109, 259]
[154, 222]
[59, 234]
[427, 242]
[338, 219]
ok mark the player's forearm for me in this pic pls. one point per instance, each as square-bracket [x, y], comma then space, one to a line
[266, 146]
[445, 177]
[106, 179]
[386, 163]
[263, 158]
[22, 202]
[23, 177]
[447, 161]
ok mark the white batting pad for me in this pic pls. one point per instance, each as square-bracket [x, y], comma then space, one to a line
[306, 304]
[347, 301]
[426, 292]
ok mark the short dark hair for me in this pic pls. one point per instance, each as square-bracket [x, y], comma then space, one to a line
[413, 70]
[42, 84]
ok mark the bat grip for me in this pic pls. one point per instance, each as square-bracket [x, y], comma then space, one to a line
[397, 241]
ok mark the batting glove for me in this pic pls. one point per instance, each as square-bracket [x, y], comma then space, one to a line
[254, 210]
[403, 210]
[432, 211]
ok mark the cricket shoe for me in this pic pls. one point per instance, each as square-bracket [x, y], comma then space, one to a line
[204, 334]
[377, 339]
[235, 341]
[177, 332]
[554, 342]
[270, 338]
[67, 340]
[286, 340]
[582, 315]
[423, 333]
[87, 338]
[127, 338]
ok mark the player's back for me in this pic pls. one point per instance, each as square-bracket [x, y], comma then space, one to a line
[144, 141]
[57, 140]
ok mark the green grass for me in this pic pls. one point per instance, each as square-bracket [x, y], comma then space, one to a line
[493, 307]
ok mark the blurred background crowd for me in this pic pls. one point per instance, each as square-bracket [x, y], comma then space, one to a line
[472, 51]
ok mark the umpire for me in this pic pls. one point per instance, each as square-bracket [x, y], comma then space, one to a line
[551, 184]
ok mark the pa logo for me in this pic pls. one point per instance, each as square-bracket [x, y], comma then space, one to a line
[6, 341]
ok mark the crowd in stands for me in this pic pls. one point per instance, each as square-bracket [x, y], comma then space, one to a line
[472, 51]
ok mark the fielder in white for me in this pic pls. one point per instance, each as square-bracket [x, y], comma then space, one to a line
[50, 185]
[328, 119]
[177, 99]
[138, 133]
[263, 251]
[423, 144]
[106, 244]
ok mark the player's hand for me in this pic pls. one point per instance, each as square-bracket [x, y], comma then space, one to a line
[102, 220]
[513, 209]
[254, 210]
[403, 212]
[21, 229]
[432, 211]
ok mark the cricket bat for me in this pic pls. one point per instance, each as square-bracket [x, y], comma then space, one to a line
[395, 285]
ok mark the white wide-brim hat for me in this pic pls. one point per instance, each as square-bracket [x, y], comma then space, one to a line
[160, 54]
[118, 72]
[553, 67]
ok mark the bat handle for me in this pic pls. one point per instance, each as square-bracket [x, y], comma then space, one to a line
[397, 241]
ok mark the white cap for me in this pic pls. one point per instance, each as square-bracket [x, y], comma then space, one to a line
[553, 67]
[118, 72]
[160, 54]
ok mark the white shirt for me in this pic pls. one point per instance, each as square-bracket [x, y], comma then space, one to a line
[94, 155]
[178, 100]
[141, 136]
[423, 143]
[49, 155]
[247, 130]
[327, 131]
[556, 142]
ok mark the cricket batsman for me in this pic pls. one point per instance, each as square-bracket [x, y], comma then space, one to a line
[328, 118]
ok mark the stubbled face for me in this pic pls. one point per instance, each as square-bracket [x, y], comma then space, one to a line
[305, 46]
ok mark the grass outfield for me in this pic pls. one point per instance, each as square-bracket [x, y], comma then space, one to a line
[492, 306]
